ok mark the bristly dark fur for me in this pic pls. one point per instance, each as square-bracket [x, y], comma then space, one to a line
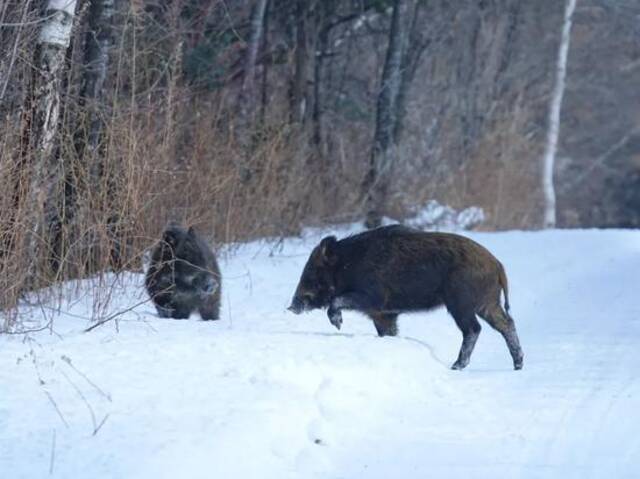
[184, 276]
[394, 269]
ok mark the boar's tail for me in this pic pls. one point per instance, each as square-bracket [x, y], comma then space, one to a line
[504, 284]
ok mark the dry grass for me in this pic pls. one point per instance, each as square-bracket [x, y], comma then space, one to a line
[172, 151]
[119, 196]
[166, 152]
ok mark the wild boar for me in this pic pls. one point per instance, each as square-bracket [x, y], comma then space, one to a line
[395, 269]
[183, 276]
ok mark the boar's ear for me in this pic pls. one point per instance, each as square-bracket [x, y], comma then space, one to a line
[328, 250]
[192, 232]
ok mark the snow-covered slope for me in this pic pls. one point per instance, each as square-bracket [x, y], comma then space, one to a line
[266, 394]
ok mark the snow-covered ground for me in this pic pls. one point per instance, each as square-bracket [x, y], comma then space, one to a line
[266, 394]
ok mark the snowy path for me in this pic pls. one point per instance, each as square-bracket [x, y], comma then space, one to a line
[263, 393]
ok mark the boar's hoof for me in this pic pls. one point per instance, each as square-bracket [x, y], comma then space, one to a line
[459, 365]
[517, 365]
[335, 317]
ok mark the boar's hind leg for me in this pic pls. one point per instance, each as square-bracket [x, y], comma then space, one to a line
[470, 327]
[385, 323]
[500, 320]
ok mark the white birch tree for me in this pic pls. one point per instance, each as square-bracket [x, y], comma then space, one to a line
[41, 121]
[553, 132]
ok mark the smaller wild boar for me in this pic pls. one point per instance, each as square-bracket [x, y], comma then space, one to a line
[394, 269]
[183, 275]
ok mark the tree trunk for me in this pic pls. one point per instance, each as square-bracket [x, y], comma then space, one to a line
[414, 48]
[40, 124]
[298, 93]
[264, 82]
[323, 26]
[247, 98]
[383, 153]
[99, 41]
[247, 92]
[553, 132]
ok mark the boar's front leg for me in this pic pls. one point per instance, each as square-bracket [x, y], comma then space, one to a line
[355, 301]
[335, 316]
[163, 304]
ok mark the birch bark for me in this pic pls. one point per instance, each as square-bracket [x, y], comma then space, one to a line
[41, 121]
[553, 133]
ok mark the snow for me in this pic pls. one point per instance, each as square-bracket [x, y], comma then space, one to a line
[435, 216]
[263, 393]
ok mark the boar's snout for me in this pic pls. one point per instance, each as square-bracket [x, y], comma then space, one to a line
[297, 305]
[210, 286]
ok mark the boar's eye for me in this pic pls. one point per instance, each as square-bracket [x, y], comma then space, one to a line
[313, 282]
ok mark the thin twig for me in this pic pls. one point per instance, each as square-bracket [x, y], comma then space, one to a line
[67, 360]
[26, 331]
[104, 419]
[600, 161]
[231, 25]
[14, 54]
[229, 312]
[115, 315]
[84, 399]
[53, 453]
[56, 408]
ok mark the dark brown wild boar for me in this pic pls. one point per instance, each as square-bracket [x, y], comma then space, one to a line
[183, 276]
[394, 269]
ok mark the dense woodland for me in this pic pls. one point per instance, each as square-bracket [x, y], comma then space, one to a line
[254, 118]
